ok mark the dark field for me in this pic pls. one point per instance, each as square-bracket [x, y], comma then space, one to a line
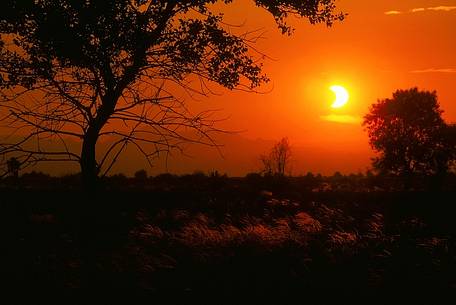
[218, 240]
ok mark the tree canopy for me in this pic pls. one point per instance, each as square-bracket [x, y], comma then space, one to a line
[84, 70]
[409, 134]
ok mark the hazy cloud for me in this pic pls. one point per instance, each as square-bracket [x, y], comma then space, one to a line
[443, 8]
[341, 118]
[433, 70]
[392, 13]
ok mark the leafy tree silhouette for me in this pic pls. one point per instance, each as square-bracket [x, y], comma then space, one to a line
[84, 70]
[141, 174]
[409, 134]
[141, 177]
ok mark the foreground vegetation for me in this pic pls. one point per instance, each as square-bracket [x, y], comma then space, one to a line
[220, 240]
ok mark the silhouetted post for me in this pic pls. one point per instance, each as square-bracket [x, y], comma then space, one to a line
[13, 167]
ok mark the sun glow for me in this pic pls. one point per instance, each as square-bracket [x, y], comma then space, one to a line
[342, 96]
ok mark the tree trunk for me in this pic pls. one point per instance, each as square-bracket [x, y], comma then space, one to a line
[88, 163]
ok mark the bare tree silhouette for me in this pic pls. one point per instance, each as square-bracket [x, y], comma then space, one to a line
[84, 70]
[410, 135]
[277, 162]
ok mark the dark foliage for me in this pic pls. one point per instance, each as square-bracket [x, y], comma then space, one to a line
[410, 135]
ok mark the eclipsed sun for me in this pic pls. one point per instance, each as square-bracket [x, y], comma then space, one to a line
[341, 94]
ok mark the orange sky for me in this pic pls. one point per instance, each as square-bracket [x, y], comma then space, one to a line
[373, 52]
[380, 47]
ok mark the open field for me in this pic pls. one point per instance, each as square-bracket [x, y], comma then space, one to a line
[228, 243]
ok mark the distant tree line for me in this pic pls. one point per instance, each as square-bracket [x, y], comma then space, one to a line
[252, 182]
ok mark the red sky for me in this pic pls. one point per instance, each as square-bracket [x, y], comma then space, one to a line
[372, 53]
[380, 47]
